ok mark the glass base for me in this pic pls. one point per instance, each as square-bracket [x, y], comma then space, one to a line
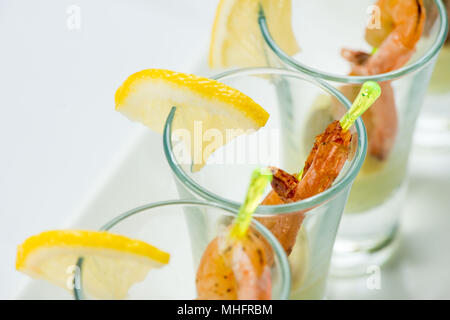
[356, 258]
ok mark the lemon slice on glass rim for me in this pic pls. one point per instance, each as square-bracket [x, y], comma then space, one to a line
[202, 105]
[236, 39]
[111, 263]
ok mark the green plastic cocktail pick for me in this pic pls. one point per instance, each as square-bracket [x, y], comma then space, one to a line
[370, 91]
[259, 180]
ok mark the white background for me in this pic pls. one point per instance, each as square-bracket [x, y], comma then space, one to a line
[58, 127]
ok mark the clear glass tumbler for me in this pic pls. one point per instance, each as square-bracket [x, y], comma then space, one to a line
[285, 141]
[369, 227]
[163, 224]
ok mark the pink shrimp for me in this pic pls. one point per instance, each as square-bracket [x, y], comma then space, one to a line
[231, 269]
[401, 26]
[236, 264]
[325, 161]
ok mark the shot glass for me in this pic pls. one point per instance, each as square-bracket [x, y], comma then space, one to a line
[163, 224]
[285, 141]
[370, 224]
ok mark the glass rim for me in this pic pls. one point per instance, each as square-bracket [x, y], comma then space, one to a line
[433, 51]
[308, 203]
[279, 252]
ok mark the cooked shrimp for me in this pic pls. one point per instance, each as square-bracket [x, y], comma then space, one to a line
[231, 270]
[236, 264]
[284, 227]
[325, 161]
[402, 23]
[323, 165]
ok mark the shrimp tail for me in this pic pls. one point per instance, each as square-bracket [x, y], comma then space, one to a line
[283, 183]
[402, 23]
[355, 57]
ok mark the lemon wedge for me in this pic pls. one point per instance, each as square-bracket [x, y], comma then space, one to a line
[111, 263]
[236, 39]
[204, 107]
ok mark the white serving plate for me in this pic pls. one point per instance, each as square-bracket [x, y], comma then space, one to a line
[418, 271]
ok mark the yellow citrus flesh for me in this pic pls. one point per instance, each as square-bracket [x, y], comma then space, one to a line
[236, 39]
[111, 263]
[202, 105]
